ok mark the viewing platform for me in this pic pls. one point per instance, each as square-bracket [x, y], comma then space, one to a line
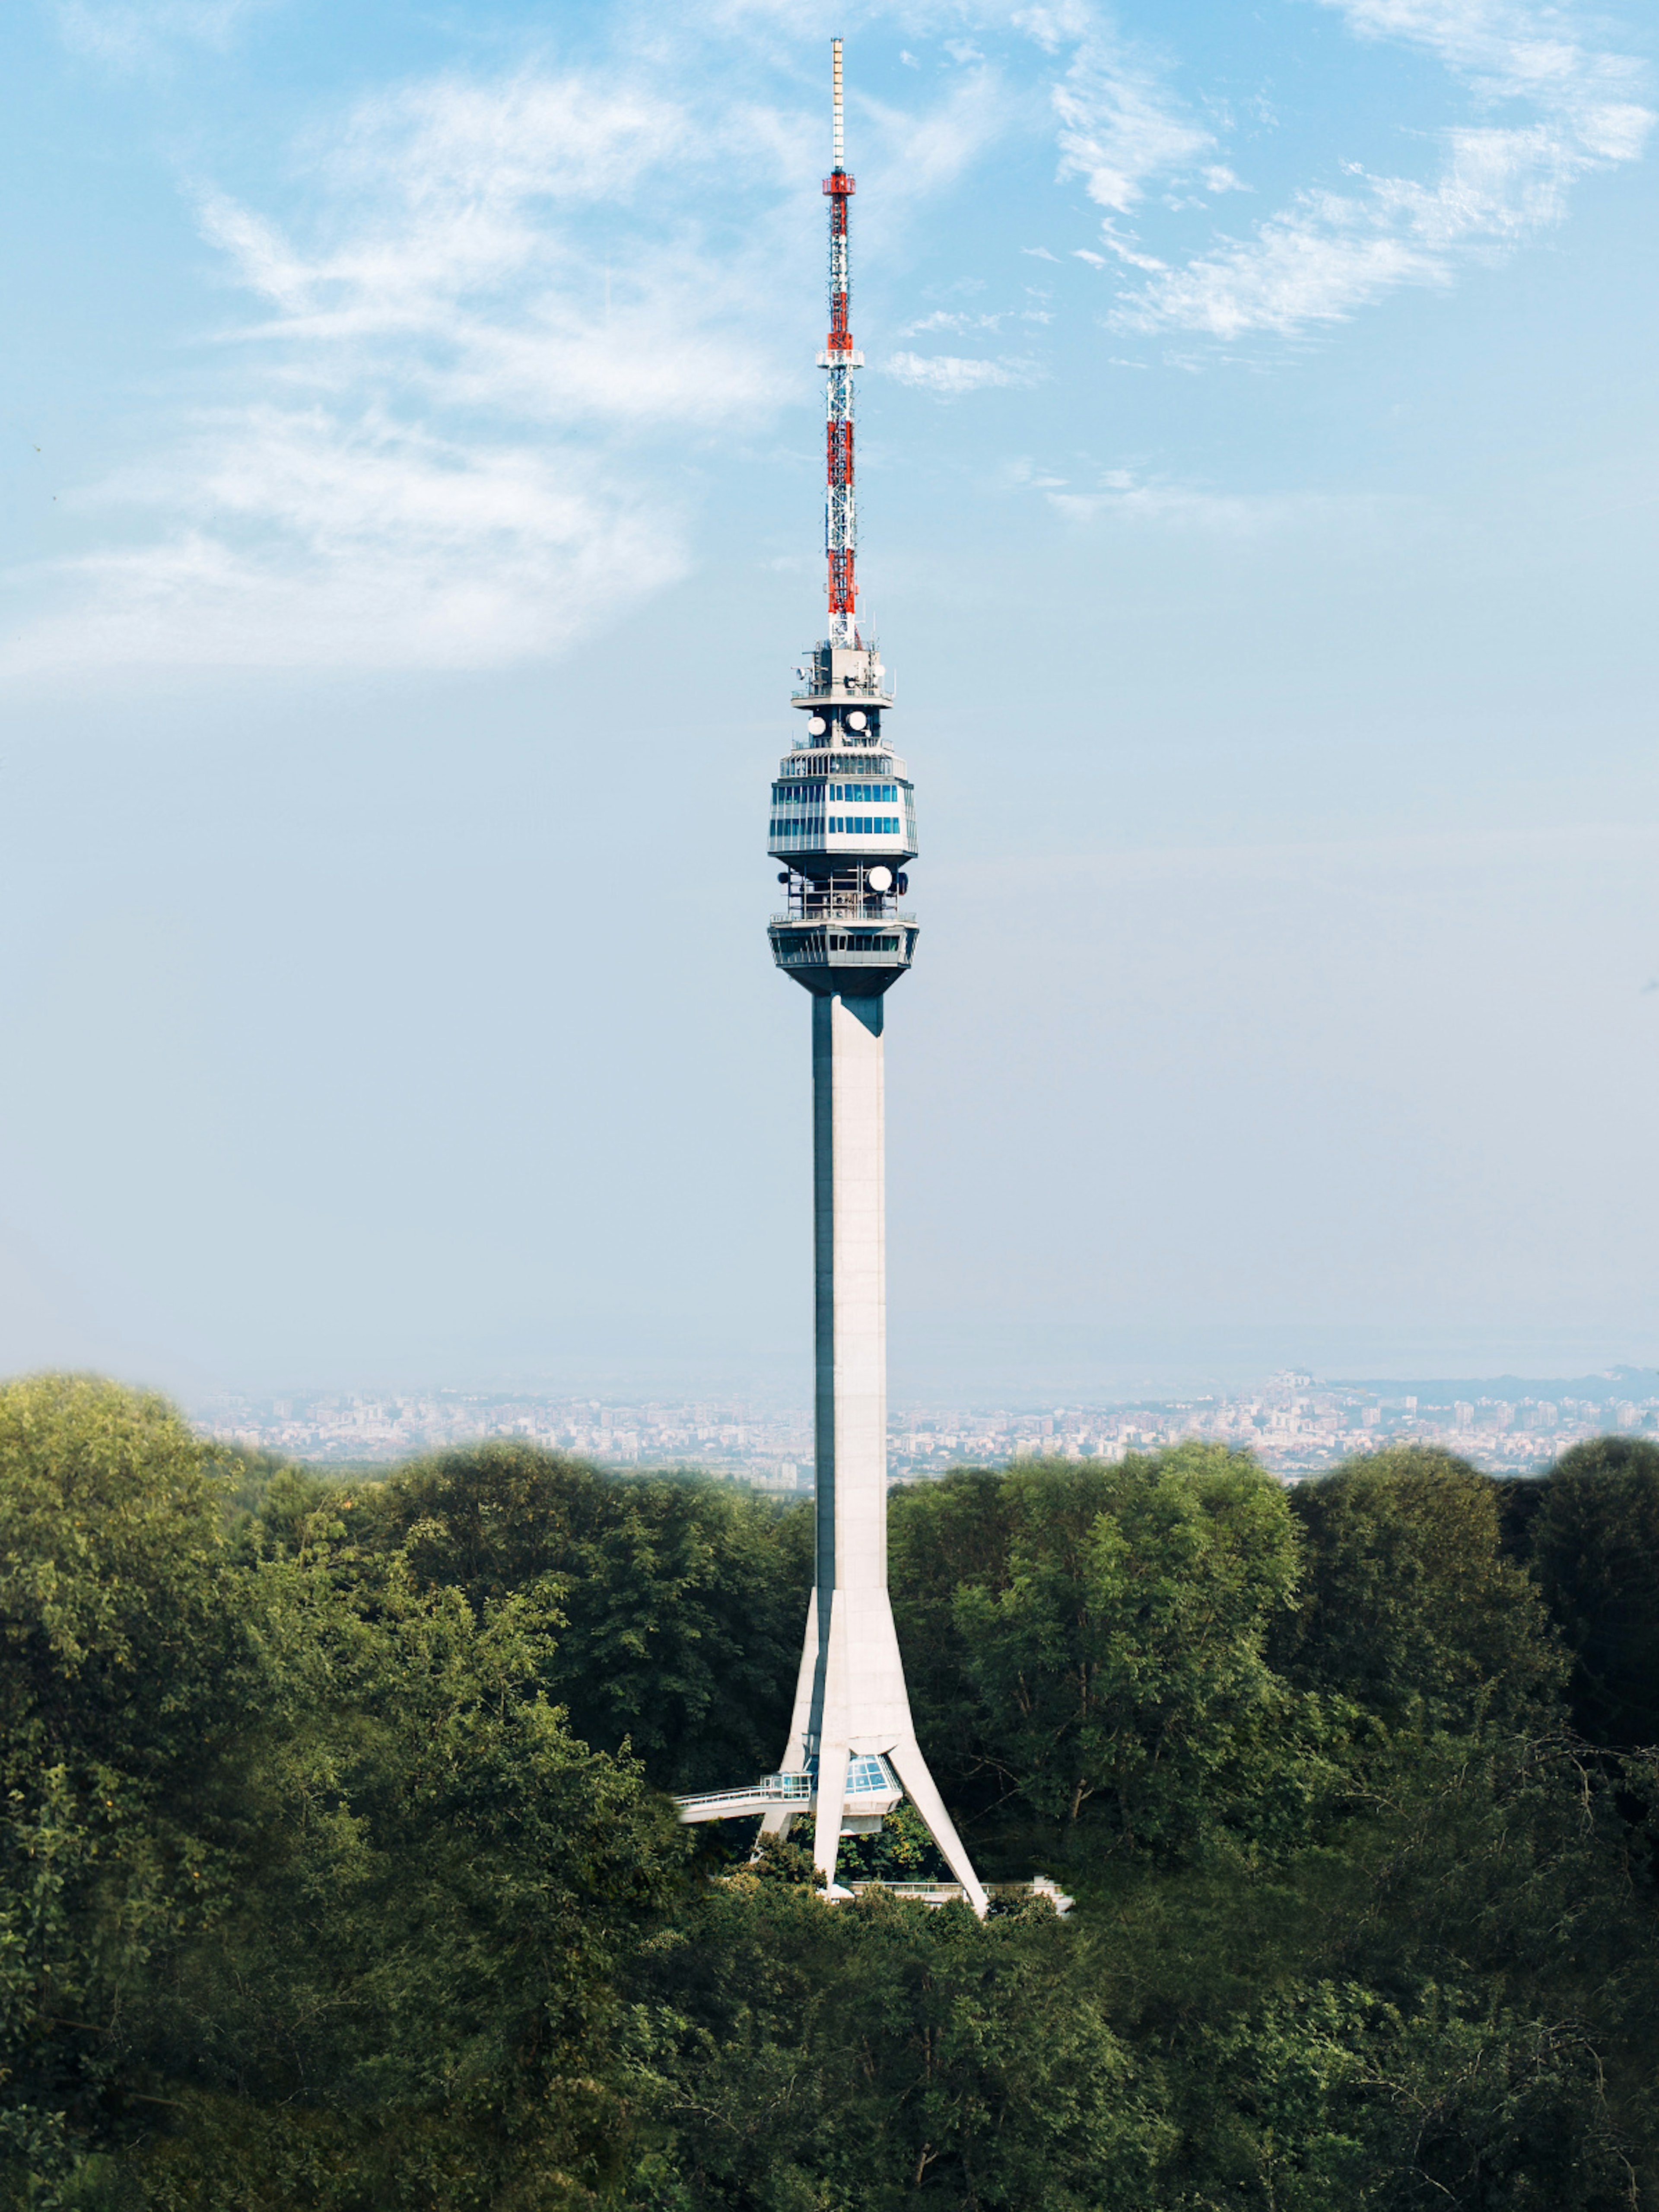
[872, 1791]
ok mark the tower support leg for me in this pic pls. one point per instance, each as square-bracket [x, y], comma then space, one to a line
[780, 1819]
[922, 1791]
[833, 1762]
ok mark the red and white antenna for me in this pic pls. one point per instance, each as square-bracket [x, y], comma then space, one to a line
[840, 517]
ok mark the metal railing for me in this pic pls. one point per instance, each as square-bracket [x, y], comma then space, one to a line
[844, 895]
[868, 694]
[923, 1892]
[701, 1798]
[773, 1788]
[814, 952]
[865, 913]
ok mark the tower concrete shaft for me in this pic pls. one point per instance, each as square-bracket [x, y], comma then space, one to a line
[851, 1700]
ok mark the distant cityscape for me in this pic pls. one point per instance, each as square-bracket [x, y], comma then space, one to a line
[1293, 1423]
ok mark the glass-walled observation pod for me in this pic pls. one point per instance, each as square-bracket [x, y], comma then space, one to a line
[843, 819]
[832, 806]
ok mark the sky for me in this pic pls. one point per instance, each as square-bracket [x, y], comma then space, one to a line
[411, 463]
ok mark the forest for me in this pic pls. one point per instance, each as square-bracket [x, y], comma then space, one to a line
[339, 1869]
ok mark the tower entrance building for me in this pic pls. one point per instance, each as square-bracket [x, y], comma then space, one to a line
[843, 827]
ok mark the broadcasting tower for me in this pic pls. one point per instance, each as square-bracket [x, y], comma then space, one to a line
[844, 821]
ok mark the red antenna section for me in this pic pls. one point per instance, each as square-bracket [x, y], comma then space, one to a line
[840, 516]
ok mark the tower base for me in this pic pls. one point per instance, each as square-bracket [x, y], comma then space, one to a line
[851, 1701]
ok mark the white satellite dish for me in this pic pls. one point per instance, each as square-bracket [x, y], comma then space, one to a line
[856, 719]
[817, 725]
[880, 879]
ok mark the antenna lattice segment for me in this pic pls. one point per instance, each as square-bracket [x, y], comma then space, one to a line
[838, 357]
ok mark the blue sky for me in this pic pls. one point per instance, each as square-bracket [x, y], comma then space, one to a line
[411, 462]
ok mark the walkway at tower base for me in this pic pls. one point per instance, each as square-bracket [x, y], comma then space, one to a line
[872, 1794]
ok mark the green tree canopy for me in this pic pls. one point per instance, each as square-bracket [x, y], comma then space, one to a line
[877, 2056]
[327, 1886]
[1408, 1605]
[114, 1632]
[1111, 1629]
[307, 1893]
[1595, 1544]
[680, 1602]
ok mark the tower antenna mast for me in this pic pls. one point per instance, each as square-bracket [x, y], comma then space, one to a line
[839, 360]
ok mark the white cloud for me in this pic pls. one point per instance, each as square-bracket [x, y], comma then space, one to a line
[432, 463]
[1123, 496]
[128, 33]
[1051, 27]
[914, 156]
[306, 537]
[1121, 248]
[1119, 125]
[948, 376]
[1509, 50]
[458, 253]
[1330, 253]
[492, 323]
[942, 319]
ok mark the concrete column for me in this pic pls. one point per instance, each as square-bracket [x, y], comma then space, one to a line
[851, 1696]
[850, 1252]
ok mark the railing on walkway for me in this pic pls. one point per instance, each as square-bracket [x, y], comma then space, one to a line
[756, 1797]
[952, 1893]
[872, 1789]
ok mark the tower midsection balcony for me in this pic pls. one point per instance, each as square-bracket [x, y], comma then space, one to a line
[846, 955]
[815, 851]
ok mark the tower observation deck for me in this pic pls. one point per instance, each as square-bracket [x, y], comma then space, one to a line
[844, 818]
[843, 823]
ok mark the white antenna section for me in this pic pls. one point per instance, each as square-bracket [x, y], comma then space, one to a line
[837, 149]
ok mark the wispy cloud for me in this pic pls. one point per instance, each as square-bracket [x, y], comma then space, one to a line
[1333, 251]
[432, 464]
[1330, 253]
[922, 154]
[491, 325]
[130, 33]
[1120, 126]
[491, 320]
[949, 376]
[943, 318]
[1507, 49]
[1121, 496]
[460, 254]
[337, 542]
